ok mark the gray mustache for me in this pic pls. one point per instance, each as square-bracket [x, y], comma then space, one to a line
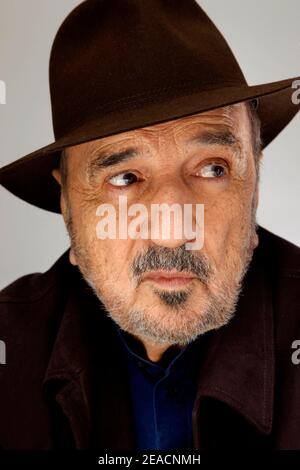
[167, 259]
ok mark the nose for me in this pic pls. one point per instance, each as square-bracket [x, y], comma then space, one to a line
[170, 225]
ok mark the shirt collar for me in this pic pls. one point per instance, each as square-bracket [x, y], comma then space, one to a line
[174, 361]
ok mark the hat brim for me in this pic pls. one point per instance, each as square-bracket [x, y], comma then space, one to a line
[30, 177]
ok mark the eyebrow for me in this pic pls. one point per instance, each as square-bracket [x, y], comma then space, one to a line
[111, 159]
[225, 138]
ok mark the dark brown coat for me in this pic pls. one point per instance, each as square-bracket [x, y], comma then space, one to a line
[65, 386]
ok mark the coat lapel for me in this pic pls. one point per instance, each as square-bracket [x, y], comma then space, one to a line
[238, 368]
[86, 374]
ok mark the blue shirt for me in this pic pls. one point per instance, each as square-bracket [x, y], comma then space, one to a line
[163, 394]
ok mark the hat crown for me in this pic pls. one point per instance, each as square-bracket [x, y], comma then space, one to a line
[115, 54]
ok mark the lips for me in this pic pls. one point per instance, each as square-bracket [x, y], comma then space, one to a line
[169, 279]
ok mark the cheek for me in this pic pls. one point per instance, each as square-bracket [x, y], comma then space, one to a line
[227, 219]
[107, 256]
[228, 206]
[112, 260]
[86, 223]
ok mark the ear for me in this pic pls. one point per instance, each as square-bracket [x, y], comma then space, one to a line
[57, 176]
[256, 197]
[258, 181]
[255, 238]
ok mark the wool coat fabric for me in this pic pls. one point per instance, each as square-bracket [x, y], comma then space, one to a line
[65, 385]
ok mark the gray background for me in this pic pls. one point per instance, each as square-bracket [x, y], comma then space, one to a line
[265, 37]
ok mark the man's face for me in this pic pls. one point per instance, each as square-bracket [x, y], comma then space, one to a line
[201, 159]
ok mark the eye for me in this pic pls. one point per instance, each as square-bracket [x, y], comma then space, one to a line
[212, 170]
[123, 179]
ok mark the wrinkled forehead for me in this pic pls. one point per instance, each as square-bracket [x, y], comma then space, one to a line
[230, 115]
[232, 118]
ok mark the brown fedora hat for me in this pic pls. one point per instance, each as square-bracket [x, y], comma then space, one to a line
[117, 65]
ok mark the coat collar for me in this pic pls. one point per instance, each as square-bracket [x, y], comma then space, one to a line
[238, 367]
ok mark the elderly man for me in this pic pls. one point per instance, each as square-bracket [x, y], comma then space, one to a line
[153, 342]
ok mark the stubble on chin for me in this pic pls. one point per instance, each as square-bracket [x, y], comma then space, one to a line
[171, 317]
